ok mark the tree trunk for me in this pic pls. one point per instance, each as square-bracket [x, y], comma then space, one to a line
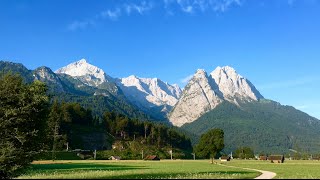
[145, 131]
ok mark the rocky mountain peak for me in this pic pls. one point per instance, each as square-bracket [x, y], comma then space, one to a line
[232, 84]
[87, 73]
[46, 75]
[150, 92]
[204, 93]
[197, 98]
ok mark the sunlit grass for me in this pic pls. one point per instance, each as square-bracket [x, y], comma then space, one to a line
[288, 170]
[134, 170]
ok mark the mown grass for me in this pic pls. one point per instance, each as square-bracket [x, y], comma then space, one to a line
[288, 170]
[134, 170]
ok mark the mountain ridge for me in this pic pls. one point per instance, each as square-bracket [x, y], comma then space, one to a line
[222, 99]
[205, 92]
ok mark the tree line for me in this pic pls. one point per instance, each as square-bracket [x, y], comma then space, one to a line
[31, 122]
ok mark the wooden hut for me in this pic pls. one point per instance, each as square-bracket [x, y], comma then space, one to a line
[225, 158]
[152, 158]
[276, 158]
[263, 158]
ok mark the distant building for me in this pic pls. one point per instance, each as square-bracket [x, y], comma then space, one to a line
[225, 158]
[115, 158]
[152, 158]
[276, 158]
[315, 158]
[263, 158]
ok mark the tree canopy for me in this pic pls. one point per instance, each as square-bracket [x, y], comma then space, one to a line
[244, 153]
[23, 111]
[211, 143]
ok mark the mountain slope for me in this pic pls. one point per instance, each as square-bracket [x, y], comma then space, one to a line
[7, 66]
[197, 98]
[70, 89]
[152, 95]
[265, 126]
[203, 93]
[46, 75]
[232, 85]
[90, 75]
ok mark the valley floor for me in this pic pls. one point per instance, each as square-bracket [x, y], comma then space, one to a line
[167, 169]
[164, 169]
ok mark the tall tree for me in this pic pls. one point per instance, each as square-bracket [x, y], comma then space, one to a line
[54, 121]
[23, 113]
[210, 144]
[244, 153]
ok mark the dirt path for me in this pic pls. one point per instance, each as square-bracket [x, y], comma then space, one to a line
[264, 175]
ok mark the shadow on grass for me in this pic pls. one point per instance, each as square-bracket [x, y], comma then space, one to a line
[216, 174]
[47, 168]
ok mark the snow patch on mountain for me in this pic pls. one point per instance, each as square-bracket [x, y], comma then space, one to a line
[149, 92]
[87, 73]
[232, 85]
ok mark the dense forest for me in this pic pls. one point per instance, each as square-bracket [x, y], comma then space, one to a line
[75, 126]
[264, 126]
[33, 127]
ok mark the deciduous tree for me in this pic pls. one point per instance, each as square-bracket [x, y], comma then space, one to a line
[210, 144]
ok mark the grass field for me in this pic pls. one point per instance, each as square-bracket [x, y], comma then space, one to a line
[134, 170]
[288, 170]
[169, 170]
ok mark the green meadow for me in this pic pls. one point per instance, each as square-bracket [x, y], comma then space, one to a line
[134, 170]
[166, 169]
[289, 170]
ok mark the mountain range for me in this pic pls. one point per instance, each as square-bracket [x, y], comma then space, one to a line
[222, 99]
[205, 92]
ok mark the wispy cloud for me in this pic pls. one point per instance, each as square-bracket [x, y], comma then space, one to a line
[186, 79]
[289, 83]
[190, 6]
[113, 14]
[141, 7]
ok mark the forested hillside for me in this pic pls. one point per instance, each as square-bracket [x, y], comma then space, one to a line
[265, 126]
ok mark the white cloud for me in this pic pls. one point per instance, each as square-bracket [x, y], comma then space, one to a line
[190, 6]
[188, 9]
[112, 14]
[143, 6]
[186, 79]
[140, 8]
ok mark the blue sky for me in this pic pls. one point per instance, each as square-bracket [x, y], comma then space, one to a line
[274, 43]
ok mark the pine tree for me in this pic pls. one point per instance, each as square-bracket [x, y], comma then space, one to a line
[23, 114]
